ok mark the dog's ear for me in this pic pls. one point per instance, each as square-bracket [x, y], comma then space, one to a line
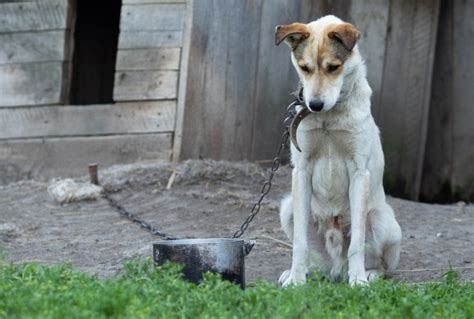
[293, 34]
[346, 34]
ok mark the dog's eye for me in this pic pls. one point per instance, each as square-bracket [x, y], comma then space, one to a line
[304, 68]
[333, 67]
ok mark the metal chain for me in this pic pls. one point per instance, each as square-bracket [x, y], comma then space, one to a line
[267, 185]
[134, 218]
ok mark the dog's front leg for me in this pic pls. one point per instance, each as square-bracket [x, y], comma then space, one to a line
[301, 192]
[358, 196]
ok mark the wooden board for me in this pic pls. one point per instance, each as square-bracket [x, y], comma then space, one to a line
[20, 47]
[145, 85]
[462, 179]
[405, 92]
[31, 83]
[120, 118]
[276, 79]
[221, 80]
[150, 39]
[371, 18]
[67, 157]
[148, 59]
[153, 17]
[448, 173]
[182, 85]
[33, 16]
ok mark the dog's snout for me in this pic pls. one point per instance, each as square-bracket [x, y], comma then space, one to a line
[316, 105]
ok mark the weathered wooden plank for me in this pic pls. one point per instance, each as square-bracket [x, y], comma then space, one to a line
[371, 18]
[33, 16]
[462, 178]
[439, 145]
[120, 118]
[148, 59]
[67, 157]
[205, 85]
[448, 173]
[241, 84]
[31, 83]
[405, 92]
[32, 47]
[221, 80]
[152, 1]
[153, 17]
[71, 19]
[182, 85]
[150, 39]
[145, 85]
[422, 49]
[276, 78]
[393, 93]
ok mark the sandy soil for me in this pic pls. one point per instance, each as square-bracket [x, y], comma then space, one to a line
[207, 199]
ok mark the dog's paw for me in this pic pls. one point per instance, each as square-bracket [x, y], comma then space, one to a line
[374, 274]
[284, 276]
[358, 280]
[289, 278]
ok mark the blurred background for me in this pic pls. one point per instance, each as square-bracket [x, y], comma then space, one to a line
[166, 80]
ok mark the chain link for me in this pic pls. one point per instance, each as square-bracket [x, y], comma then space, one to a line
[135, 219]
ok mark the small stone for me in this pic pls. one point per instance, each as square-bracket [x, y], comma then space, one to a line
[8, 232]
[439, 235]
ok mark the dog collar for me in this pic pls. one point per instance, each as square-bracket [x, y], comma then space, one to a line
[304, 112]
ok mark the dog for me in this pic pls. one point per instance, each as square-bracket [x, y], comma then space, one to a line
[337, 216]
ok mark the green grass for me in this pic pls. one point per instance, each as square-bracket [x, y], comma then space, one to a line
[35, 291]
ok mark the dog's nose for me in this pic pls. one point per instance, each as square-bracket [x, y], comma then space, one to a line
[316, 105]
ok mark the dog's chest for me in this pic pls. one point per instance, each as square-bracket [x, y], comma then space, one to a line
[330, 157]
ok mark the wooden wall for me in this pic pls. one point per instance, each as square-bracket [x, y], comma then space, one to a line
[203, 79]
[449, 160]
[239, 82]
[34, 56]
[148, 58]
[403, 106]
[40, 136]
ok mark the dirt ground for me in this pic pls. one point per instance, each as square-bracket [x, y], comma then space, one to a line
[206, 199]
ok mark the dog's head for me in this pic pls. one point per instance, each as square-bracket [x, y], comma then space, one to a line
[322, 53]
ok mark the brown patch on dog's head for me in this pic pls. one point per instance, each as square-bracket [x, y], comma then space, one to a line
[345, 34]
[335, 47]
[321, 52]
[293, 34]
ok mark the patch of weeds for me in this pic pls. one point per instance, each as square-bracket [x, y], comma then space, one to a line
[142, 291]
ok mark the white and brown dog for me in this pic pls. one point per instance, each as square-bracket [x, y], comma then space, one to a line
[339, 163]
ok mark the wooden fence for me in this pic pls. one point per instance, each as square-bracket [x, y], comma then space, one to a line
[238, 82]
[448, 170]
[203, 79]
